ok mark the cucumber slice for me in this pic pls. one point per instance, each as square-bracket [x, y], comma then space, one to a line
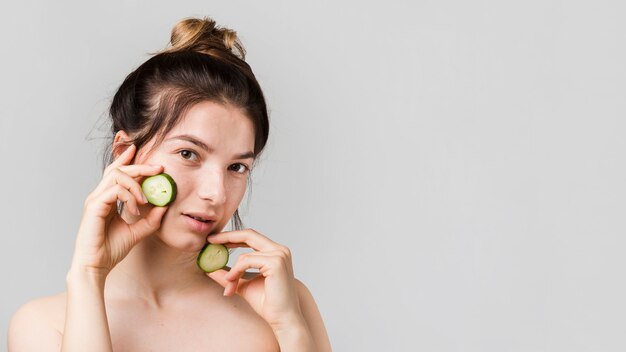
[160, 189]
[212, 257]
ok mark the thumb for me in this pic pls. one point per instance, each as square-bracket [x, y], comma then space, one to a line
[149, 224]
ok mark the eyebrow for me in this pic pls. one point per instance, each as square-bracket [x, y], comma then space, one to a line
[204, 146]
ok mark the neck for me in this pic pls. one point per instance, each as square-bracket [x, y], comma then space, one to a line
[155, 272]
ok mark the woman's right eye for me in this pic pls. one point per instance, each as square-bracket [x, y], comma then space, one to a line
[186, 153]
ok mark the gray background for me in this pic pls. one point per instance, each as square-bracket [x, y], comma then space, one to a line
[449, 174]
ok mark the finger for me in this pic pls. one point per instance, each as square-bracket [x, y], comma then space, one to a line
[130, 173]
[228, 285]
[252, 260]
[236, 245]
[128, 191]
[127, 198]
[137, 171]
[149, 224]
[103, 204]
[218, 276]
[266, 264]
[131, 185]
[124, 158]
[250, 237]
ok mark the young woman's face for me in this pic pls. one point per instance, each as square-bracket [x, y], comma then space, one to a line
[209, 181]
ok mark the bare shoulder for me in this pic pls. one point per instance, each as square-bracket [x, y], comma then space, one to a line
[313, 317]
[40, 317]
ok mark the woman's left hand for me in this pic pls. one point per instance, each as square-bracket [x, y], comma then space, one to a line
[272, 292]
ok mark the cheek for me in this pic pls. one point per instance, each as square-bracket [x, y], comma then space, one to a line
[235, 195]
[236, 188]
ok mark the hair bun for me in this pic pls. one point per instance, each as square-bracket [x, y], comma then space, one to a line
[204, 36]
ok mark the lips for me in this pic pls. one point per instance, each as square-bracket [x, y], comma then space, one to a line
[199, 219]
[204, 217]
[199, 226]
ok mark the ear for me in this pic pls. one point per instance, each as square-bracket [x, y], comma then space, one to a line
[120, 143]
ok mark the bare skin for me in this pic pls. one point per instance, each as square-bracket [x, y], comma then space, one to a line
[155, 297]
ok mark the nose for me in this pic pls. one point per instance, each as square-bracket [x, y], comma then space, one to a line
[212, 187]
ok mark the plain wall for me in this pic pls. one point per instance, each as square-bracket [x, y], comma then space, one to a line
[448, 174]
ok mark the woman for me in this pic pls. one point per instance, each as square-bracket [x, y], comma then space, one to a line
[196, 112]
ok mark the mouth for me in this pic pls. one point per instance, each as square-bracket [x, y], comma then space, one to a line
[199, 219]
[199, 224]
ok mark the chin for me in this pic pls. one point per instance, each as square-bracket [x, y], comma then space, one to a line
[178, 235]
[183, 240]
[190, 243]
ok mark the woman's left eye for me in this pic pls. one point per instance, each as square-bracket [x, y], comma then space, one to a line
[243, 168]
[185, 152]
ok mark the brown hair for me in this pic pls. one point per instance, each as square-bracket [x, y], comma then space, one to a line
[202, 63]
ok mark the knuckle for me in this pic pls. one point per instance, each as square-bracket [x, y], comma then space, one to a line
[133, 193]
[118, 172]
[86, 203]
[122, 193]
[93, 196]
[88, 199]
[90, 204]
[138, 189]
[285, 250]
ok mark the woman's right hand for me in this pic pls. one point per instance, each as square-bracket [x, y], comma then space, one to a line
[104, 238]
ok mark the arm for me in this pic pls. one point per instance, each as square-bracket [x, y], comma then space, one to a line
[306, 331]
[86, 325]
[104, 239]
[313, 318]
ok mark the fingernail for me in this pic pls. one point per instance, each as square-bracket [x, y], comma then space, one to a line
[144, 198]
[225, 291]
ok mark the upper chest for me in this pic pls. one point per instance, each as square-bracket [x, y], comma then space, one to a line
[194, 325]
[197, 324]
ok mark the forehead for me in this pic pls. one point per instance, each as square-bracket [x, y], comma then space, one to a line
[216, 123]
